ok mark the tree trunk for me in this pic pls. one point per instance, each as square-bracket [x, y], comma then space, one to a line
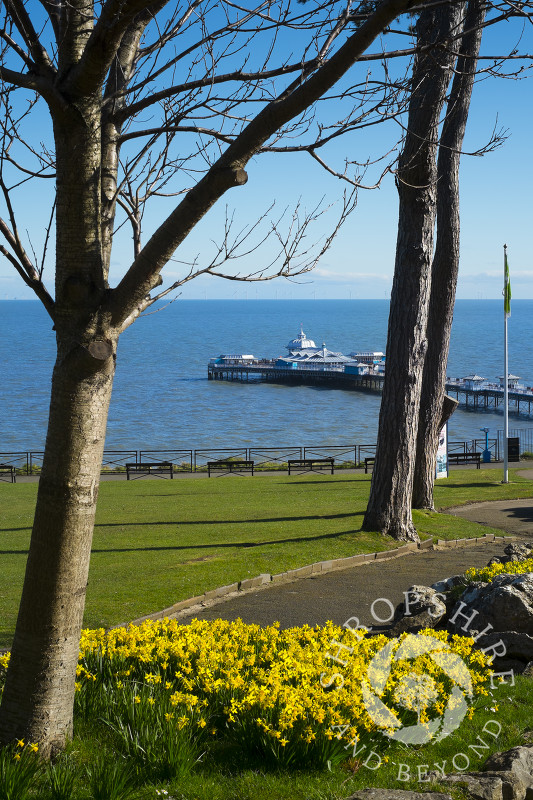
[389, 507]
[445, 266]
[38, 696]
[39, 693]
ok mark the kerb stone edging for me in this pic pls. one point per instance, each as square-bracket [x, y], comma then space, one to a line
[215, 596]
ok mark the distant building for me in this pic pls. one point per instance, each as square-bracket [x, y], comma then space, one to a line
[301, 344]
[233, 360]
[474, 382]
[313, 358]
[512, 382]
[372, 357]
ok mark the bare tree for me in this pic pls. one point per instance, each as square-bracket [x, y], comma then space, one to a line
[146, 101]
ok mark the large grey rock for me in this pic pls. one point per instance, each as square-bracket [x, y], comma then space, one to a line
[396, 794]
[517, 552]
[517, 761]
[506, 603]
[518, 646]
[425, 610]
[478, 785]
[447, 584]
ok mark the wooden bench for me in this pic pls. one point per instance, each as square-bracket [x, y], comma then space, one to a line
[465, 458]
[138, 469]
[311, 464]
[229, 467]
[369, 462]
[8, 470]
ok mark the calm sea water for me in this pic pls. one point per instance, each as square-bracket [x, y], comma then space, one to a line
[162, 398]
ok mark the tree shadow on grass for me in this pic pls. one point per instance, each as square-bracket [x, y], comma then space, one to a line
[468, 486]
[230, 521]
[231, 545]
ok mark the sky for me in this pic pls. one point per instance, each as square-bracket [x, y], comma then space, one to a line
[496, 209]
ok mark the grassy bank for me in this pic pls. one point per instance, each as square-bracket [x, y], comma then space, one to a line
[157, 542]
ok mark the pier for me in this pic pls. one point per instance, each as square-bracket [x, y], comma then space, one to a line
[490, 398]
[266, 371]
[307, 364]
[478, 399]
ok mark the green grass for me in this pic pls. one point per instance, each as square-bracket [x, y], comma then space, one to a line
[226, 775]
[157, 542]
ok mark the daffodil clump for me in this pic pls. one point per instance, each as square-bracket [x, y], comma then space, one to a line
[295, 696]
[486, 574]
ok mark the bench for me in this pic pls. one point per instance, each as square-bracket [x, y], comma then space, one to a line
[138, 469]
[229, 467]
[465, 458]
[311, 464]
[369, 462]
[8, 470]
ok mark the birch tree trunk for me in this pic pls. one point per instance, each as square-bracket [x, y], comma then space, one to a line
[389, 506]
[445, 266]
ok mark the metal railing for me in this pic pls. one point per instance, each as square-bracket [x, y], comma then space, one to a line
[30, 462]
[182, 459]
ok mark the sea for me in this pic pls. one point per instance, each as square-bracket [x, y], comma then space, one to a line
[162, 398]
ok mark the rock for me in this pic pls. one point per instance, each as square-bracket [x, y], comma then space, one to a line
[515, 767]
[518, 646]
[448, 584]
[527, 736]
[494, 560]
[517, 760]
[506, 603]
[518, 552]
[396, 794]
[528, 673]
[478, 785]
[425, 610]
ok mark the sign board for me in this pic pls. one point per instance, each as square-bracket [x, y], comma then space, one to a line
[441, 470]
[513, 448]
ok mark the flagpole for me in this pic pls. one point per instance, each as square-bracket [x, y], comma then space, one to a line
[505, 374]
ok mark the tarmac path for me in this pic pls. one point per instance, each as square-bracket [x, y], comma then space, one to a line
[346, 593]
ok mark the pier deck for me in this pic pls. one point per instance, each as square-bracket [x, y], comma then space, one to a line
[267, 372]
[474, 399]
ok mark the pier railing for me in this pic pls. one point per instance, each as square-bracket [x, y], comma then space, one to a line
[346, 455]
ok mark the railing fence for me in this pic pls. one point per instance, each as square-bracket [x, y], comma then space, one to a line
[30, 462]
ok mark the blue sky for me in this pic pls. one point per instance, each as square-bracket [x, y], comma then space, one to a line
[495, 209]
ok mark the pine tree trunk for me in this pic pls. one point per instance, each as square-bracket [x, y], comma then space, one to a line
[389, 507]
[445, 266]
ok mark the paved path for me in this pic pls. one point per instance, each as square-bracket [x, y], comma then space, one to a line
[515, 517]
[350, 592]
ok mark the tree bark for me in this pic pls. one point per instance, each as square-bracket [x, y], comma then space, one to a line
[389, 506]
[38, 696]
[445, 266]
[39, 692]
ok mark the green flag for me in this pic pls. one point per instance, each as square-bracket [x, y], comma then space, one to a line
[506, 289]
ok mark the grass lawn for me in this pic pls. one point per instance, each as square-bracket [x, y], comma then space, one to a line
[157, 542]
